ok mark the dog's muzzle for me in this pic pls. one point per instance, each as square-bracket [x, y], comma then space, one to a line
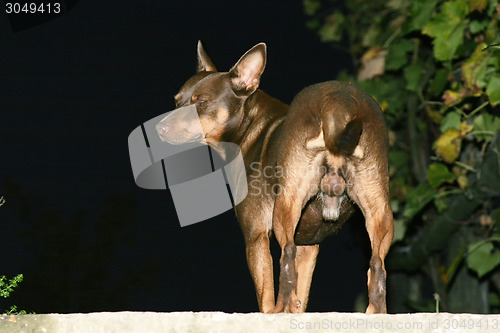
[168, 152]
[181, 126]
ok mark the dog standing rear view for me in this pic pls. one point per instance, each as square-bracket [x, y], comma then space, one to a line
[306, 166]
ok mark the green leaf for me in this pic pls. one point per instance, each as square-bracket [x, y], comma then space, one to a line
[439, 173]
[493, 7]
[448, 145]
[399, 230]
[412, 74]
[463, 182]
[494, 299]
[474, 68]
[476, 26]
[7, 286]
[398, 54]
[417, 199]
[311, 6]
[451, 120]
[399, 158]
[492, 48]
[333, 27]
[485, 127]
[12, 310]
[482, 259]
[372, 36]
[457, 8]
[445, 48]
[420, 13]
[447, 28]
[491, 33]
[451, 97]
[388, 88]
[439, 81]
[493, 90]
[441, 203]
[478, 5]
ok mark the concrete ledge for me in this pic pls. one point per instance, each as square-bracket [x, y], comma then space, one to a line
[142, 322]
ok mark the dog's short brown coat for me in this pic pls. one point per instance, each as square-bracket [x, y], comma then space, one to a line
[306, 165]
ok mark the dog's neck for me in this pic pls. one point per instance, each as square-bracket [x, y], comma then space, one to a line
[261, 114]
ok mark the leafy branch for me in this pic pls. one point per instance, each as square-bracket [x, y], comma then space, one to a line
[7, 286]
[433, 66]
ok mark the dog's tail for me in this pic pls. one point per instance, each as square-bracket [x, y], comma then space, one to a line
[341, 128]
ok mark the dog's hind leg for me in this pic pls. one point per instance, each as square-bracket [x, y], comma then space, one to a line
[370, 191]
[297, 262]
[285, 218]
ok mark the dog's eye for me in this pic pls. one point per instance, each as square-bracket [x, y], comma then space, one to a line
[202, 102]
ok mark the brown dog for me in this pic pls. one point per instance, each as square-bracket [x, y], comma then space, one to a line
[305, 167]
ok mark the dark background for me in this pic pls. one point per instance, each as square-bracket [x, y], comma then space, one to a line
[75, 224]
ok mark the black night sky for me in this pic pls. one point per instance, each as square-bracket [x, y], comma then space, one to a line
[75, 224]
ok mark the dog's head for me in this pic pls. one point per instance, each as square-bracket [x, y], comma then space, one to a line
[218, 96]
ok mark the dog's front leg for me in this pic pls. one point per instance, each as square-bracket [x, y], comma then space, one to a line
[260, 264]
[305, 261]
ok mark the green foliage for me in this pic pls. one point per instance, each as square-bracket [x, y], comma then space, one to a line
[493, 90]
[7, 286]
[482, 257]
[434, 67]
[438, 174]
[485, 127]
[420, 13]
[447, 29]
[418, 198]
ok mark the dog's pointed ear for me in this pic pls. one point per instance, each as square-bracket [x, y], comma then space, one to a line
[245, 75]
[205, 64]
